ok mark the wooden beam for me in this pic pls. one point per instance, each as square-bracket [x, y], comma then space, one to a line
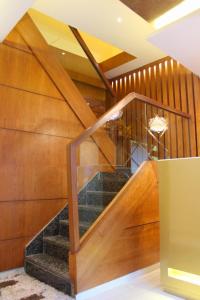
[116, 61]
[63, 82]
[92, 60]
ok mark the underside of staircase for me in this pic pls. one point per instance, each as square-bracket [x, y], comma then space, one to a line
[47, 254]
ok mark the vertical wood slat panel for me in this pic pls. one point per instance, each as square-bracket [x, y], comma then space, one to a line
[179, 127]
[139, 113]
[191, 110]
[171, 84]
[148, 111]
[143, 111]
[172, 120]
[154, 110]
[164, 77]
[184, 108]
[160, 111]
[196, 83]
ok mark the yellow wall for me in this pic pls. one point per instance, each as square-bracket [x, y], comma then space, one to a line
[179, 188]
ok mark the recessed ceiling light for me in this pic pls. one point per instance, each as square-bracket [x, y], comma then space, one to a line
[119, 19]
[63, 53]
[181, 10]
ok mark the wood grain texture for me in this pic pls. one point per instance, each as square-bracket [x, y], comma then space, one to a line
[36, 125]
[35, 113]
[12, 253]
[113, 248]
[32, 166]
[17, 219]
[16, 41]
[151, 9]
[169, 83]
[61, 80]
[24, 65]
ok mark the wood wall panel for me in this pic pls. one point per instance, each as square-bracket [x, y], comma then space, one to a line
[16, 41]
[12, 253]
[25, 72]
[26, 111]
[36, 125]
[33, 166]
[169, 83]
[17, 219]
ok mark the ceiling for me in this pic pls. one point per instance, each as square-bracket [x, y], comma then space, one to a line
[181, 41]
[150, 9]
[11, 13]
[119, 27]
[59, 35]
[115, 28]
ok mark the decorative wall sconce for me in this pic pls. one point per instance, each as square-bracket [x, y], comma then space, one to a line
[158, 125]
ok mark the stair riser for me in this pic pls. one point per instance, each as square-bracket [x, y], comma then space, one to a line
[97, 199]
[88, 216]
[114, 177]
[64, 230]
[49, 278]
[56, 251]
[107, 185]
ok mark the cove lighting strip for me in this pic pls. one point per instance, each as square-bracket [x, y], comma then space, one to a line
[184, 276]
[181, 10]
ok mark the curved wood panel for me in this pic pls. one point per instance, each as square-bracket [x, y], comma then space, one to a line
[125, 237]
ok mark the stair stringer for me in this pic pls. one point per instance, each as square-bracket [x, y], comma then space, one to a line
[124, 238]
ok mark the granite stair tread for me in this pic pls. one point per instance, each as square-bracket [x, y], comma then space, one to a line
[58, 240]
[90, 208]
[102, 192]
[82, 224]
[50, 264]
[49, 253]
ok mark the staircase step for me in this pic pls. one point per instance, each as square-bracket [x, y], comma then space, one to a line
[107, 184]
[57, 246]
[50, 270]
[64, 228]
[116, 176]
[89, 213]
[99, 198]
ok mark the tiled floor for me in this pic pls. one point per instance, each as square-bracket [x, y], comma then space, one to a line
[142, 287]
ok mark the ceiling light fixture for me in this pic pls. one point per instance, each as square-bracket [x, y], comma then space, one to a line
[181, 10]
[63, 53]
[119, 20]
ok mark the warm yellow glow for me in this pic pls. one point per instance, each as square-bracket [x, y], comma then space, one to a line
[60, 36]
[184, 276]
[100, 50]
[181, 10]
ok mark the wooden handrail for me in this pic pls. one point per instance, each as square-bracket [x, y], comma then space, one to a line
[93, 61]
[72, 170]
[119, 106]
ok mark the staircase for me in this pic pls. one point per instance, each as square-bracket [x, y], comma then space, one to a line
[47, 255]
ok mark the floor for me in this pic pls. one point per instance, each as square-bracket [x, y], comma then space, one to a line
[16, 285]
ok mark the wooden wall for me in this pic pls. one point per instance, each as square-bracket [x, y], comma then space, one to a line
[170, 83]
[36, 125]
